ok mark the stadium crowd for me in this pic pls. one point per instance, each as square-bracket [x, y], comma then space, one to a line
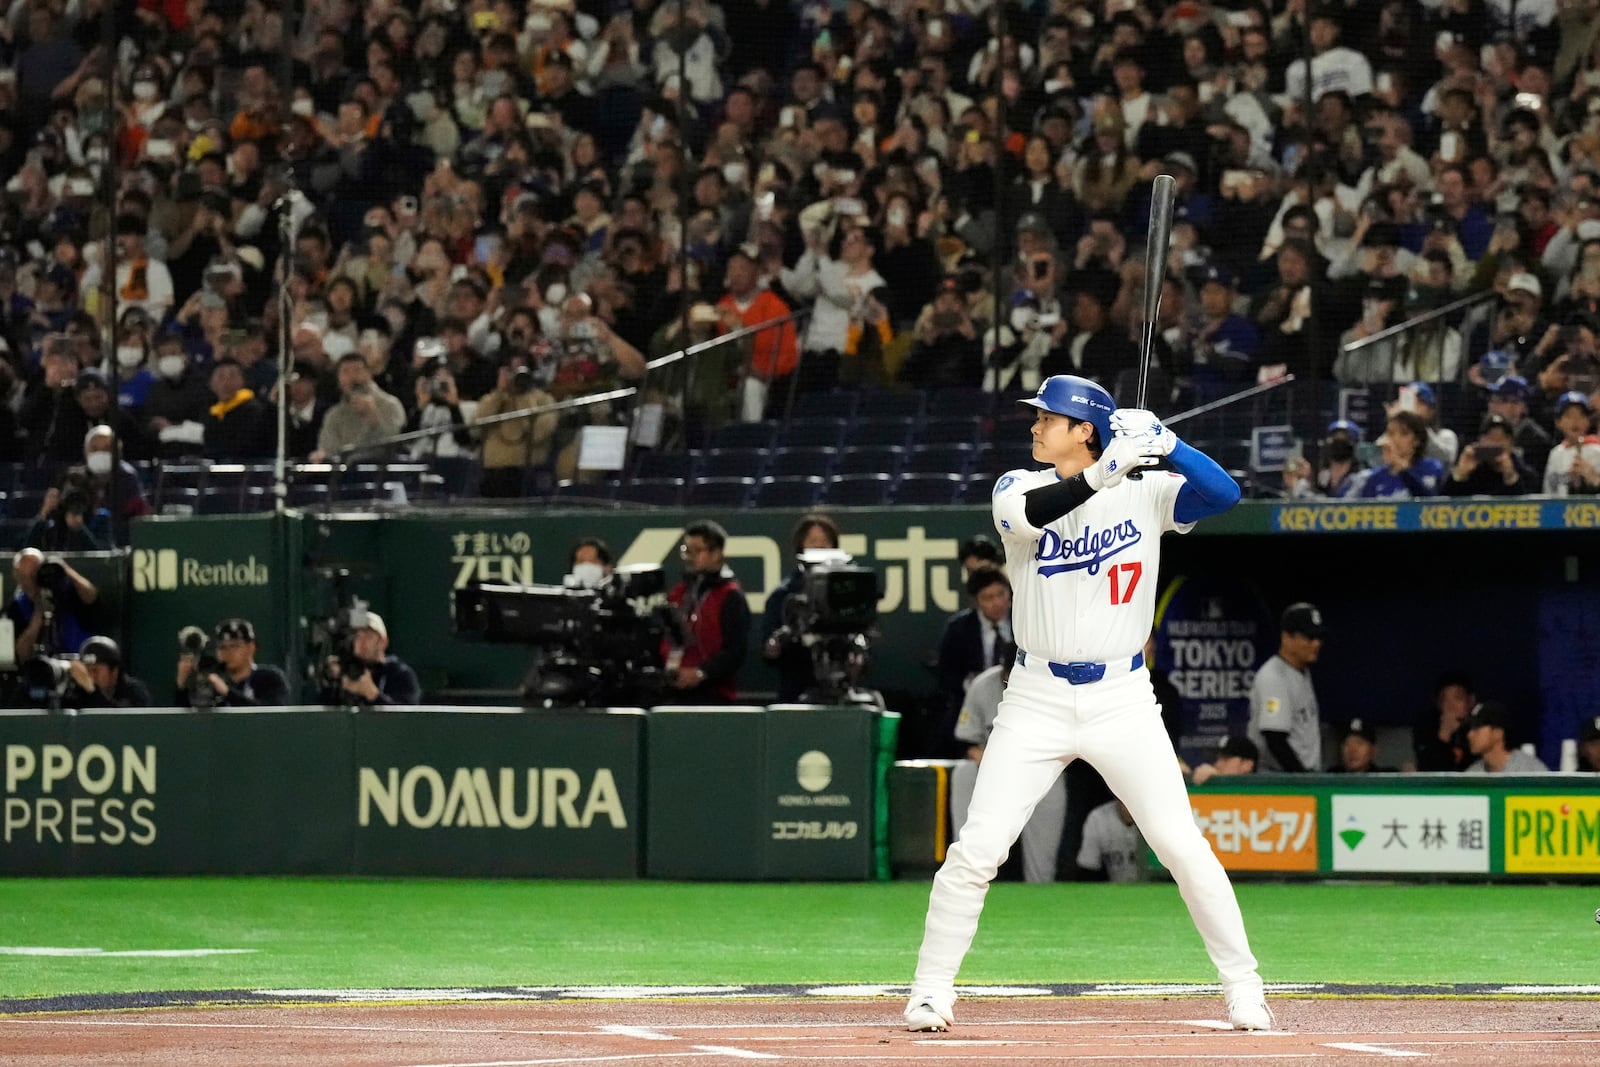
[497, 205]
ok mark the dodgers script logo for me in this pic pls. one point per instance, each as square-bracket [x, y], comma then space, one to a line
[1086, 551]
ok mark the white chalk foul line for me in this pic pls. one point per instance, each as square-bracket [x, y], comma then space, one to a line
[1377, 1050]
[566, 1059]
[100, 953]
[737, 1053]
[641, 1032]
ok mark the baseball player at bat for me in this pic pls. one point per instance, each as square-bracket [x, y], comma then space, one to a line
[1082, 544]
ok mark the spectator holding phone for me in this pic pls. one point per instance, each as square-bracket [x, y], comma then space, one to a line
[1339, 464]
[1509, 397]
[1574, 463]
[1491, 467]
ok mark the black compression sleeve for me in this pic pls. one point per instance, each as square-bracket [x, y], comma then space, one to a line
[1048, 503]
[1278, 744]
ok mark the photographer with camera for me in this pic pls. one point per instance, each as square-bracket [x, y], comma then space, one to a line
[512, 446]
[437, 405]
[364, 673]
[705, 653]
[224, 674]
[51, 419]
[1492, 466]
[947, 351]
[365, 414]
[46, 611]
[780, 647]
[99, 681]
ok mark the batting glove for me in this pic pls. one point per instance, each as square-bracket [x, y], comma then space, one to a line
[1137, 422]
[1122, 455]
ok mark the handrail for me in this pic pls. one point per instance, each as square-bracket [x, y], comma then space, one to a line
[1470, 300]
[344, 455]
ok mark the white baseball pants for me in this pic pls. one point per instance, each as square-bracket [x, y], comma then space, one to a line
[1041, 835]
[1045, 723]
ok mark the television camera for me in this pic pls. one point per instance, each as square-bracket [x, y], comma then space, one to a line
[594, 647]
[833, 616]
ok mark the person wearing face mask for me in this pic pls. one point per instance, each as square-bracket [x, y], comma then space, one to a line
[175, 406]
[97, 400]
[590, 565]
[1339, 464]
[133, 375]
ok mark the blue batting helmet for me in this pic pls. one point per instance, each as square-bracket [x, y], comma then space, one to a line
[1077, 398]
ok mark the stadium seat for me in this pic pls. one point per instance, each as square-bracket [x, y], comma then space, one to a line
[872, 460]
[858, 490]
[180, 501]
[221, 500]
[978, 489]
[720, 492]
[958, 402]
[658, 492]
[24, 503]
[458, 475]
[836, 404]
[592, 492]
[950, 430]
[658, 464]
[890, 431]
[795, 492]
[256, 500]
[311, 495]
[801, 462]
[743, 435]
[941, 459]
[909, 403]
[731, 463]
[814, 433]
[928, 489]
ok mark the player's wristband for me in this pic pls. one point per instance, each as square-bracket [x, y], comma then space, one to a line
[1048, 503]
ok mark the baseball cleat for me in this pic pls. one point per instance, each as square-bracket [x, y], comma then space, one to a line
[1250, 1014]
[923, 1017]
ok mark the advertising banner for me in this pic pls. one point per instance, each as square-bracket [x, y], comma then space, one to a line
[1259, 831]
[497, 792]
[1211, 635]
[819, 782]
[1552, 834]
[1410, 832]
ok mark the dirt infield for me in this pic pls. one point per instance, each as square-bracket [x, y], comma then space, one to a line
[669, 1033]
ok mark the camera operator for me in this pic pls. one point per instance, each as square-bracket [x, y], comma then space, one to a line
[368, 675]
[365, 413]
[46, 609]
[796, 672]
[591, 564]
[438, 405]
[237, 682]
[99, 681]
[512, 446]
[50, 416]
[704, 656]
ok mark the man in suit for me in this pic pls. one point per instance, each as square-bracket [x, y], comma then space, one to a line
[974, 640]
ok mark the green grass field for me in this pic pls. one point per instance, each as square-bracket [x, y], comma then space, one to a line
[318, 933]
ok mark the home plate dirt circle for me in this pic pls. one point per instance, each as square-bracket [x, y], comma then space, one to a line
[707, 1029]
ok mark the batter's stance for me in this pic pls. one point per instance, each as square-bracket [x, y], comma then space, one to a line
[1082, 549]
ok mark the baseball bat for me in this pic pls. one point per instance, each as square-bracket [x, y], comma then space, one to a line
[1163, 201]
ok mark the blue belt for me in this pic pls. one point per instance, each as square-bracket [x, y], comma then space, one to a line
[1083, 673]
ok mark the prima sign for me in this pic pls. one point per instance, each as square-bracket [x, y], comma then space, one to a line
[516, 799]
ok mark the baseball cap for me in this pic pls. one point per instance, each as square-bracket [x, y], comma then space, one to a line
[1361, 728]
[1220, 275]
[1181, 159]
[1591, 730]
[376, 624]
[1034, 223]
[1571, 398]
[91, 378]
[1425, 393]
[1346, 426]
[1489, 713]
[1496, 421]
[100, 650]
[1303, 619]
[1242, 747]
[236, 630]
[1523, 282]
[1511, 387]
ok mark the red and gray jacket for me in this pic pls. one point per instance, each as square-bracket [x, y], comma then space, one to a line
[715, 623]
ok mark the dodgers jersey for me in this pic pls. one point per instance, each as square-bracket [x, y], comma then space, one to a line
[1084, 587]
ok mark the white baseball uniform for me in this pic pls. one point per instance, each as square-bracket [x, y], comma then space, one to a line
[1085, 593]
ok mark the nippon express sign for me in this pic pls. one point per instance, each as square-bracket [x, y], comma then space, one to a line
[1410, 832]
[160, 570]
